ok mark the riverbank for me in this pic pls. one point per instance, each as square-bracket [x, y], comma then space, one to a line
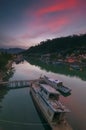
[6, 70]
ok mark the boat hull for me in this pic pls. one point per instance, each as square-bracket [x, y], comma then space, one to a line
[43, 109]
[55, 126]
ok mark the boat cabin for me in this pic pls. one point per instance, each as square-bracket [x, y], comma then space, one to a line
[48, 92]
[54, 82]
[55, 108]
[57, 84]
[48, 98]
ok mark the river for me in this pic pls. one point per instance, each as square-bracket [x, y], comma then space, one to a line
[17, 109]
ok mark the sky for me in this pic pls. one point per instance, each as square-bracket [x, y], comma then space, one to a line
[25, 23]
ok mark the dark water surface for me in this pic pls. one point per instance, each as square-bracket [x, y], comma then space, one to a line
[17, 110]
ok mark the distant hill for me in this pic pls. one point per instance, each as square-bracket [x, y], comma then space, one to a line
[62, 44]
[12, 50]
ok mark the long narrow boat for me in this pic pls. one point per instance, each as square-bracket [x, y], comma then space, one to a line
[57, 84]
[47, 100]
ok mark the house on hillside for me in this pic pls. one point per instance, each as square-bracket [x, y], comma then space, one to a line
[71, 60]
[45, 58]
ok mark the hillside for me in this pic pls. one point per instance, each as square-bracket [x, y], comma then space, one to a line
[63, 45]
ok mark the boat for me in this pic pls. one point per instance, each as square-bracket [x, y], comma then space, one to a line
[75, 67]
[57, 84]
[47, 100]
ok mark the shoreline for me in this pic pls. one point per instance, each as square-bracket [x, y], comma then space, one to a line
[3, 73]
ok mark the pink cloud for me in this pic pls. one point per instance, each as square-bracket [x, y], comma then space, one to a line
[50, 6]
[41, 28]
[68, 4]
[39, 19]
[60, 14]
[33, 35]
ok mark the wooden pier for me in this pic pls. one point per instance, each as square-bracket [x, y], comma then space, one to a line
[17, 83]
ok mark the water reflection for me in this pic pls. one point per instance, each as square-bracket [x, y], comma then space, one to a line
[26, 71]
[60, 69]
[3, 92]
[3, 89]
[19, 113]
[19, 107]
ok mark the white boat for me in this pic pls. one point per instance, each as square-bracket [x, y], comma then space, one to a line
[75, 67]
[47, 100]
[57, 84]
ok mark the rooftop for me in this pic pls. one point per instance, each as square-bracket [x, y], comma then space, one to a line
[49, 89]
[53, 80]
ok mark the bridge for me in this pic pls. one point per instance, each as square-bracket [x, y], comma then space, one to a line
[17, 83]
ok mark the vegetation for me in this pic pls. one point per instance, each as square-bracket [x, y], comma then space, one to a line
[64, 45]
[60, 69]
[5, 66]
[4, 58]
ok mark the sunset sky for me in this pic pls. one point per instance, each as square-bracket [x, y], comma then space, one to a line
[25, 23]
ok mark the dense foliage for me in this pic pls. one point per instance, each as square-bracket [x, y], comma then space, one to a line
[66, 44]
[4, 58]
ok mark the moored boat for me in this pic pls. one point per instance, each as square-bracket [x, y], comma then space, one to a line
[57, 84]
[75, 67]
[47, 99]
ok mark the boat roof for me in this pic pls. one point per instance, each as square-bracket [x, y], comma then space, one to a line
[49, 89]
[53, 80]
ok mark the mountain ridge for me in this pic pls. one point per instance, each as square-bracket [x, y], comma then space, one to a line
[12, 50]
[56, 45]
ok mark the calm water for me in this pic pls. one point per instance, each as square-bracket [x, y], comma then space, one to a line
[17, 110]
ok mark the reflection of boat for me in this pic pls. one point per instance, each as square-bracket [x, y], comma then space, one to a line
[76, 67]
[57, 84]
[47, 100]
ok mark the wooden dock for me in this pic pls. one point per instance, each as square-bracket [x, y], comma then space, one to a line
[17, 83]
